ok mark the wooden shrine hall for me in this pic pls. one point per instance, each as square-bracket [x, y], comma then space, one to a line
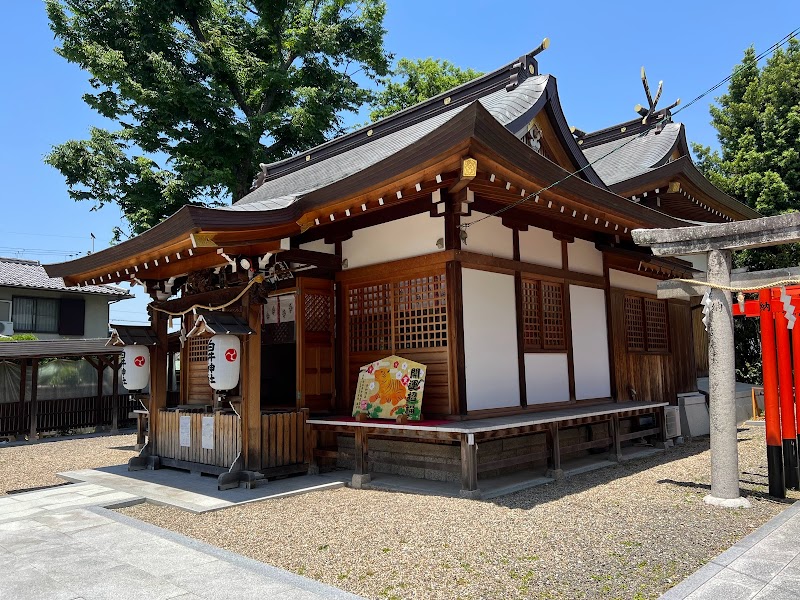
[433, 235]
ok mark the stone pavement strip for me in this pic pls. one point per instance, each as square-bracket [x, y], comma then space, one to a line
[763, 566]
[63, 543]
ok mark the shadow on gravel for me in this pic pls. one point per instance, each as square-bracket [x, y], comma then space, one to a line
[745, 492]
[581, 482]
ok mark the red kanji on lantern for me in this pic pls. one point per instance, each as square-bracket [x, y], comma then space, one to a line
[230, 355]
[139, 361]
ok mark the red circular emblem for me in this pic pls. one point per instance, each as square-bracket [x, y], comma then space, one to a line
[139, 361]
[230, 354]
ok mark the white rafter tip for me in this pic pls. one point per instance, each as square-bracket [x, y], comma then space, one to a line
[333, 218]
[399, 194]
[316, 221]
[363, 208]
[439, 178]
[522, 192]
[549, 204]
[380, 201]
[491, 178]
[418, 187]
[346, 212]
[508, 185]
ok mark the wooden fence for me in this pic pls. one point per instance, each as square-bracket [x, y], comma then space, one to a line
[65, 414]
[227, 438]
[283, 442]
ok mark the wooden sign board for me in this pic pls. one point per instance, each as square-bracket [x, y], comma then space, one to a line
[389, 388]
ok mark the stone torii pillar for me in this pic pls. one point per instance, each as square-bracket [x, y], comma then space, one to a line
[717, 241]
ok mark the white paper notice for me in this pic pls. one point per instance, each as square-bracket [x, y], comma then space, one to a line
[208, 433]
[186, 431]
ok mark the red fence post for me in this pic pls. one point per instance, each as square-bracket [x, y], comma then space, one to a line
[769, 364]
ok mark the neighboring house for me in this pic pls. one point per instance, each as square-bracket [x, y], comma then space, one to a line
[472, 233]
[32, 302]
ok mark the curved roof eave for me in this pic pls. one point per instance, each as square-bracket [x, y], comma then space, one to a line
[686, 167]
[474, 122]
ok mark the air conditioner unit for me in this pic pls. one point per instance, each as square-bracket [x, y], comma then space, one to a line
[6, 328]
[672, 417]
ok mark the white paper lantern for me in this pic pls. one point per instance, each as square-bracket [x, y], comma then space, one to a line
[224, 352]
[135, 367]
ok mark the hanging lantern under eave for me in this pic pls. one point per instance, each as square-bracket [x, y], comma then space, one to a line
[135, 367]
[224, 353]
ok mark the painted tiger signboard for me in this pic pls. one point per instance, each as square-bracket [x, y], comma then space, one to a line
[390, 387]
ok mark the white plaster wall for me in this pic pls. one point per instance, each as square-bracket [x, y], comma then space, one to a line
[699, 261]
[490, 340]
[589, 342]
[546, 378]
[489, 237]
[411, 236]
[538, 246]
[629, 281]
[584, 257]
[319, 246]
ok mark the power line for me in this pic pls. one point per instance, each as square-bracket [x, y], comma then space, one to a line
[50, 235]
[772, 48]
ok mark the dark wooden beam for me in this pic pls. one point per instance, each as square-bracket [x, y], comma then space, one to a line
[309, 257]
[523, 391]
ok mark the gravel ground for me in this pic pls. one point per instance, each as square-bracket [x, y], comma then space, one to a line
[28, 466]
[629, 531]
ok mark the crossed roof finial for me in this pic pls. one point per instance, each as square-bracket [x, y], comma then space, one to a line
[647, 112]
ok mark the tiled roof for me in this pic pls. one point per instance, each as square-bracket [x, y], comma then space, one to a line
[505, 106]
[15, 272]
[57, 349]
[633, 155]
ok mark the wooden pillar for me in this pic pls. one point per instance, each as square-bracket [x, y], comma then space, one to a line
[568, 319]
[554, 460]
[98, 399]
[158, 374]
[523, 384]
[34, 411]
[457, 377]
[469, 466]
[251, 387]
[361, 476]
[612, 366]
[23, 375]
[115, 394]
[616, 453]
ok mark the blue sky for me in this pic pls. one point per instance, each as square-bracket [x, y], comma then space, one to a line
[596, 51]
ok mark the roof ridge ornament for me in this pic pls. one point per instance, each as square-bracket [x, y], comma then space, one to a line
[646, 113]
[526, 66]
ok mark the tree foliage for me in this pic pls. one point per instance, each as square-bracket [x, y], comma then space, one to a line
[758, 127]
[204, 90]
[419, 80]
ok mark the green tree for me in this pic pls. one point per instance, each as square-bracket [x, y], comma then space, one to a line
[419, 80]
[758, 127]
[205, 90]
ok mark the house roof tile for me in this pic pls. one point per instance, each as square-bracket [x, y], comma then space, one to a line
[15, 272]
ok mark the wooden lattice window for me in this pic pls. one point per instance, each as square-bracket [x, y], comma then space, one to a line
[655, 320]
[420, 315]
[198, 349]
[646, 325]
[634, 323]
[543, 322]
[398, 315]
[531, 315]
[370, 316]
[318, 312]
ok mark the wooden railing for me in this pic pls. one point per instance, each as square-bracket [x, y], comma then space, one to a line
[283, 442]
[65, 414]
[227, 438]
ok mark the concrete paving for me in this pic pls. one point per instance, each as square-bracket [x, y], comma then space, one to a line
[62, 544]
[196, 493]
[764, 565]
